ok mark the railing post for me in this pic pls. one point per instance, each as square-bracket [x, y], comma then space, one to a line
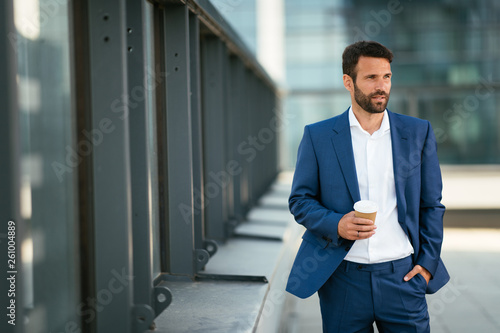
[111, 165]
[178, 127]
[214, 124]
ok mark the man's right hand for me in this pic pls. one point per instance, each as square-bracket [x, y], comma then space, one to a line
[354, 228]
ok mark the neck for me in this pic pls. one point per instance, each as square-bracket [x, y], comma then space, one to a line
[370, 122]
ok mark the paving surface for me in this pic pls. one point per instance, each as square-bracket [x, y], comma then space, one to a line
[470, 302]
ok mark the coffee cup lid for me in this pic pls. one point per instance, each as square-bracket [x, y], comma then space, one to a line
[365, 206]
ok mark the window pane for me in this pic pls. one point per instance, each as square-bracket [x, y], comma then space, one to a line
[465, 124]
[49, 161]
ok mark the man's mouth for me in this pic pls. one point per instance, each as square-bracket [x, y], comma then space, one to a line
[379, 98]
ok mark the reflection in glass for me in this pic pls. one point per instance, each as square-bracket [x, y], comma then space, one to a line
[48, 188]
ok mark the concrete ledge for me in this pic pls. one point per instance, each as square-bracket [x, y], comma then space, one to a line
[265, 247]
[471, 186]
[472, 218]
[212, 306]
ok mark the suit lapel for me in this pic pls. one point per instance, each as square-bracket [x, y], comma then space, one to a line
[342, 144]
[400, 158]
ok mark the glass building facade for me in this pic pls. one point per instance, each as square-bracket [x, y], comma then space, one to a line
[446, 67]
[242, 15]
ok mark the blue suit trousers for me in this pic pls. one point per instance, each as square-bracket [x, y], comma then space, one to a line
[357, 295]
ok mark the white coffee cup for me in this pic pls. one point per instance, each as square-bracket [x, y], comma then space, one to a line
[366, 209]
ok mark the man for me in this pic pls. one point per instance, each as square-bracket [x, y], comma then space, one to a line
[369, 271]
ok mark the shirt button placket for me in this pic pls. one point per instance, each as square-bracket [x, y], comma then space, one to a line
[371, 160]
[370, 178]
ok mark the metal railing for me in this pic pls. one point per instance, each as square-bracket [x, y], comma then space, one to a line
[175, 130]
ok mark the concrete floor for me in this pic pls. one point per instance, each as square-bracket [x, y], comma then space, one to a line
[470, 302]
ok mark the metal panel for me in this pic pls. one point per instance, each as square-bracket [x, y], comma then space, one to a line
[229, 166]
[200, 242]
[139, 85]
[257, 115]
[82, 101]
[236, 93]
[9, 168]
[277, 127]
[252, 111]
[196, 120]
[214, 136]
[111, 184]
[181, 251]
[243, 148]
[160, 101]
[263, 136]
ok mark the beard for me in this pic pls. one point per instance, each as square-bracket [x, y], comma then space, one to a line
[366, 103]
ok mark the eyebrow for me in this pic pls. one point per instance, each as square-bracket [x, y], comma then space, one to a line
[368, 75]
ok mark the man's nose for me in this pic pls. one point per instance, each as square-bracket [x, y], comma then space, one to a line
[383, 85]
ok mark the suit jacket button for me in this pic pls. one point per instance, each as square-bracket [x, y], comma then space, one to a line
[347, 248]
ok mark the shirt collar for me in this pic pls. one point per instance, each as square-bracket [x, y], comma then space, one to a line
[385, 126]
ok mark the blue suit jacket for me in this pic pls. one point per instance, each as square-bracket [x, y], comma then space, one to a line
[325, 188]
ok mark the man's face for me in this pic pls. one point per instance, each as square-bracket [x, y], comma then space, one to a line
[373, 84]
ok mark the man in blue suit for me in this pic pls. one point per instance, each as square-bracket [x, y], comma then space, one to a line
[369, 271]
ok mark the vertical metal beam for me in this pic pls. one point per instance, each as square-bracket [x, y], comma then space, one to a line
[160, 101]
[9, 124]
[257, 123]
[197, 129]
[235, 95]
[201, 243]
[136, 91]
[9, 168]
[140, 85]
[181, 251]
[264, 136]
[82, 101]
[252, 110]
[213, 53]
[276, 115]
[243, 149]
[111, 184]
[228, 159]
[272, 121]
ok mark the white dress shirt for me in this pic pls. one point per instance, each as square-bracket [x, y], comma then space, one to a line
[375, 172]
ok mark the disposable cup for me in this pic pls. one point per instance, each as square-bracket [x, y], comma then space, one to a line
[366, 209]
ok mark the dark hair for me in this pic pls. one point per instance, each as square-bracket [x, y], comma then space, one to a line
[351, 55]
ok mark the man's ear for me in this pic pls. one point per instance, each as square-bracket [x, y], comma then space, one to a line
[348, 83]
